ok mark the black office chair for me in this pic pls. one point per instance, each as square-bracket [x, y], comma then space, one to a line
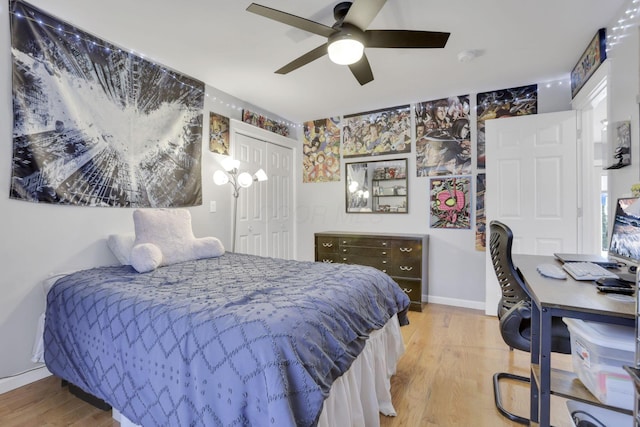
[514, 311]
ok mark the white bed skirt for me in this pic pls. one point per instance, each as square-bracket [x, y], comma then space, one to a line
[358, 397]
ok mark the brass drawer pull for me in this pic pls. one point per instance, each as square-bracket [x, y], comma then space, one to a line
[406, 249]
[328, 261]
[406, 290]
[327, 245]
[406, 268]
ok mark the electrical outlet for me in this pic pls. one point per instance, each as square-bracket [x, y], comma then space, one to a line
[212, 206]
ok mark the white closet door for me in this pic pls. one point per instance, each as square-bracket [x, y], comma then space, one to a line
[280, 201]
[265, 210]
[251, 217]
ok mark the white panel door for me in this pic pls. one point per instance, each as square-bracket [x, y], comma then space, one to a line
[532, 186]
[265, 210]
[280, 201]
[251, 216]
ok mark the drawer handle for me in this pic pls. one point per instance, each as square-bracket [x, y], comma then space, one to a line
[344, 250]
[406, 290]
[384, 243]
[328, 261]
[406, 249]
[384, 262]
[344, 259]
[384, 252]
[384, 271]
[406, 268]
[327, 245]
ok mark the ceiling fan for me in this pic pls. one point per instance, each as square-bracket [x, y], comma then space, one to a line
[348, 37]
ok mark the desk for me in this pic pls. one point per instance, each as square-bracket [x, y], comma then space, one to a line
[561, 298]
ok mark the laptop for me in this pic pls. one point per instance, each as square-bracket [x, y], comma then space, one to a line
[594, 258]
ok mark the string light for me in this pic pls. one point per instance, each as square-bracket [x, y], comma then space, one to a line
[628, 19]
[109, 48]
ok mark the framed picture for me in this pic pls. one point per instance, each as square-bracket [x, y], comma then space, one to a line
[516, 101]
[377, 132]
[264, 122]
[443, 137]
[378, 186]
[622, 150]
[450, 202]
[218, 134]
[481, 219]
[321, 150]
[593, 56]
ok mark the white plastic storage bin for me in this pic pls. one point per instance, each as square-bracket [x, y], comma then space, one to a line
[583, 413]
[599, 351]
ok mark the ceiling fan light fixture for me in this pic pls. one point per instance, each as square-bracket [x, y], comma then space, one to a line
[346, 47]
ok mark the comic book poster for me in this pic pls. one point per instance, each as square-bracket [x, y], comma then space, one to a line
[218, 134]
[443, 137]
[264, 122]
[517, 101]
[377, 132]
[450, 202]
[481, 219]
[321, 150]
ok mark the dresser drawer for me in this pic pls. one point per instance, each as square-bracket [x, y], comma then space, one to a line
[413, 290]
[325, 245]
[366, 252]
[364, 242]
[329, 258]
[407, 247]
[379, 263]
[405, 267]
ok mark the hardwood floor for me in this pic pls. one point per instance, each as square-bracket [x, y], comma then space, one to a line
[444, 379]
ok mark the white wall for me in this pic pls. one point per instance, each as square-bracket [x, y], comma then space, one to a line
[623, 91]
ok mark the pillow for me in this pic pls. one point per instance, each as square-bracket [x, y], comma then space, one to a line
[165, 237]
[146, 257]
[121, 245]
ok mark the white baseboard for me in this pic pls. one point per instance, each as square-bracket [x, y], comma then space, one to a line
[12, 383]
[476, 305]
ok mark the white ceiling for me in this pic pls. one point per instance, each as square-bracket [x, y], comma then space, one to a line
[219, 42]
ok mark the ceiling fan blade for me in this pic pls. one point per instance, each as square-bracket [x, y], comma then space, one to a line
[308, 57]
[405, 39]
[292, 20]
[362, 70]
[362, 12]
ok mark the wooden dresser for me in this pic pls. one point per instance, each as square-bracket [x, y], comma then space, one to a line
[401, 256]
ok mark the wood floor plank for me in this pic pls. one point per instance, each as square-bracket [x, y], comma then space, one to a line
[444, 379]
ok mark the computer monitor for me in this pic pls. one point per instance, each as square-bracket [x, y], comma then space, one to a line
[625, 234]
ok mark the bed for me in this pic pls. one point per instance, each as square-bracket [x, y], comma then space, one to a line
[229, 340]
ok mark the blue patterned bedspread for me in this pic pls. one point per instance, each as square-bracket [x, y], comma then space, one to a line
[234, 340]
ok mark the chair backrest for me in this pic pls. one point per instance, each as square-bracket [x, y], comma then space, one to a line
[510, 280]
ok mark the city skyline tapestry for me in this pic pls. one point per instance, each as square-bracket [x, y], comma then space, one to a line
[96, 125]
